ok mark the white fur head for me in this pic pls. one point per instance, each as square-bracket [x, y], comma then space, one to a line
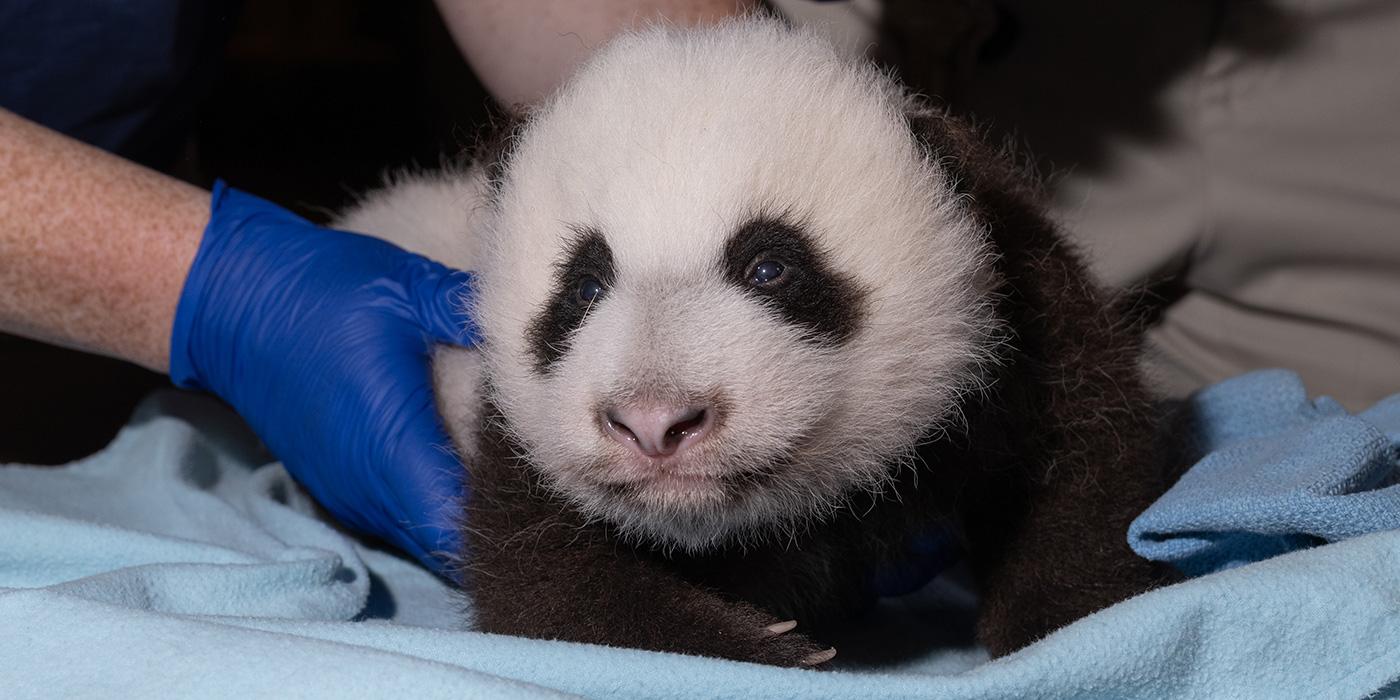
[672, 167]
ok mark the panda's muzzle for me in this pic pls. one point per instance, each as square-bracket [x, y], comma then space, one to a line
[658, 430]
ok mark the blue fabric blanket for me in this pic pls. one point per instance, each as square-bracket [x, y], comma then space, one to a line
[1280, 473]
[177, 562]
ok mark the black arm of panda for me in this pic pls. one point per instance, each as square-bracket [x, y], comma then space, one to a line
[537, 569]
[1072, 461]
[1048, 533]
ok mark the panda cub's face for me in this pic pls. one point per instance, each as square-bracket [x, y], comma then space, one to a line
[725, 288]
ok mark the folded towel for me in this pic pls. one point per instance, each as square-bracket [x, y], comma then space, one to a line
[1280, 473]
[177, 562]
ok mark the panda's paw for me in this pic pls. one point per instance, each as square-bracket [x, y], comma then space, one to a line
[745, 633]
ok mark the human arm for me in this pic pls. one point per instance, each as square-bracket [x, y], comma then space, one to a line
[318, 338]
[93, 248]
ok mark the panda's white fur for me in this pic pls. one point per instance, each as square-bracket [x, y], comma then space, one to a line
[666, 142]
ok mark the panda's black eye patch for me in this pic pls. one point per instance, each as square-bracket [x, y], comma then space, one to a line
[581, 280]
[778, 263]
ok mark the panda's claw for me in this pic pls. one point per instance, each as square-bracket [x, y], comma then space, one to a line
[778, 628]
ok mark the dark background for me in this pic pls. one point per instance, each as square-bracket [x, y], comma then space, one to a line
[310, 102]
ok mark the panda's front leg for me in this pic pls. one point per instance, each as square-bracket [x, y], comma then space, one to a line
[1050, 549]
[588, 595]
[535, 568]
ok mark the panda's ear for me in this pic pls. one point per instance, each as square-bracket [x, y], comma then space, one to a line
[495, 143]
[944, 140]
[999, 191]
[1008, 202]
[974, 165]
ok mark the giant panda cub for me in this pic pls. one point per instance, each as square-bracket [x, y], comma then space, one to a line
[755, 319]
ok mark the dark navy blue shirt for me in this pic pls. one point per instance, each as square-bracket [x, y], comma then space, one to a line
[123, 75]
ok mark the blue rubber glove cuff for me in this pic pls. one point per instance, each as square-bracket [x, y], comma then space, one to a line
[321, 340]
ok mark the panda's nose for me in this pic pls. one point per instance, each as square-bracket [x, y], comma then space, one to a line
[657, 430]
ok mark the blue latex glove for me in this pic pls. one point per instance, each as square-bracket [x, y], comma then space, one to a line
[321, 340]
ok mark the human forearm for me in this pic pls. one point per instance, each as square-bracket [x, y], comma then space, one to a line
[522, 49]
[93, 249]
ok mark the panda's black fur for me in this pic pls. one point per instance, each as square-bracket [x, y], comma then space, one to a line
[1038, 462]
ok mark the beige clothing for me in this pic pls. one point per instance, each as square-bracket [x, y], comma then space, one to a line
[1250, 148]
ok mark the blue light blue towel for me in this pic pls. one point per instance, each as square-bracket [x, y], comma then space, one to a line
[1280, 473]
[176, 563]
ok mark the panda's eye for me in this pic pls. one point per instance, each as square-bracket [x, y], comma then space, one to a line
[766, 273]
[589, 289]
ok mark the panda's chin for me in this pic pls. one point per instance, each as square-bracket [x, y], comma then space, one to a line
[682, 489]
[694, 530]
[671, 496]
[712, 500]
[693, 514]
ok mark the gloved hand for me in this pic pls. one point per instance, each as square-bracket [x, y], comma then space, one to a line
[321, 340]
